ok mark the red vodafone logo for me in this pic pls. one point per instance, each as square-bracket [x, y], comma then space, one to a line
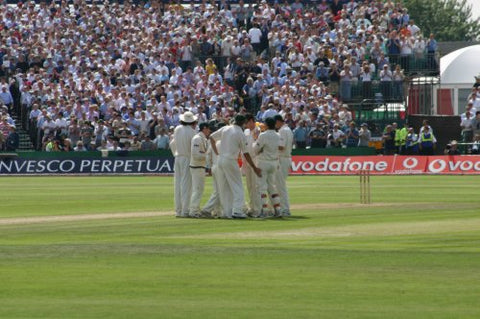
[410, 163]
[437, 166]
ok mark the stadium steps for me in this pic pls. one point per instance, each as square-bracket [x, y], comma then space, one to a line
[25, 140]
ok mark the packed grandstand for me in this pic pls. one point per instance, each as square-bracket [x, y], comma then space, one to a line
[81, 76]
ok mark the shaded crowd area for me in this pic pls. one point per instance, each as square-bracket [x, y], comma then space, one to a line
[79, 76]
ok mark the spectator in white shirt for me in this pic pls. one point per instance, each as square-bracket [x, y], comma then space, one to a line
[469, 108]
[270, 112]
[419, 47]
[144, 127]
[467, 128]
[162, 140]
[386, 77]
[6, 98]
[413, 28]
[61, 124]
[366, 78]
[255, 35]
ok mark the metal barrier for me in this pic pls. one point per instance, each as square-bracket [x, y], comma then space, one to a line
[469, 148]
[387, 90]
[378, 109]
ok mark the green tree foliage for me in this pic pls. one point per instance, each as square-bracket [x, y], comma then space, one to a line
[449, 20]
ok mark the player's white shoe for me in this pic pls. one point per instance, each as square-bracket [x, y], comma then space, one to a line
[252, 214]
[238, 215]
[277, 213]
[205, 214]
[263, 214]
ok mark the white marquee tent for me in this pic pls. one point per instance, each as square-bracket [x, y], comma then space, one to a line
[457, 74]
[460, 67]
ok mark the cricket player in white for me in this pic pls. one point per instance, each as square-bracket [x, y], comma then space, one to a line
[251, 133]
[233, 142]
[267, 148]
[285, 159]
[181, 146]
[213, 206]
[198, 161]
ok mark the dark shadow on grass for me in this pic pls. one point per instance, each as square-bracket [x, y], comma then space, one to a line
[286, 219]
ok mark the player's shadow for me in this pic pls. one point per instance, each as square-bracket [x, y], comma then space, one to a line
[297, 217]
[286, 219]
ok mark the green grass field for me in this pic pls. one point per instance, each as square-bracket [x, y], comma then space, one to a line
[413, 253]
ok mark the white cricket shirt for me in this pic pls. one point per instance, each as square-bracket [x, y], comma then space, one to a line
[233, 141]
[286, 141]
[266, 146]
[182, 136]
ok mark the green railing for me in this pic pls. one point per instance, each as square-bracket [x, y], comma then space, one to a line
[381, 91]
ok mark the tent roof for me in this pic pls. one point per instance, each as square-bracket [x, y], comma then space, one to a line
[461, 66]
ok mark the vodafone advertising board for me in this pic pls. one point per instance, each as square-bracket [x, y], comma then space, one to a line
[380, 165]
[315, 165]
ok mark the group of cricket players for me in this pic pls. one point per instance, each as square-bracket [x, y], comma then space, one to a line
[260, 151]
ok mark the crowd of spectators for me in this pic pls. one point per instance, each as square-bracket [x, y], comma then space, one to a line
[111, 76]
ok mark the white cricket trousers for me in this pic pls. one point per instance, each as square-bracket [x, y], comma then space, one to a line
[267, 183]
[213, 204]
[230, 186]
[254, 201]
[285, 164]
[183, 185]
[198, 185]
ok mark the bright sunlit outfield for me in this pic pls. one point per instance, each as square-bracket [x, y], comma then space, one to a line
[120, 253]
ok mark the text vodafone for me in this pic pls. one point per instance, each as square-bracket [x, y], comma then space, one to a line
[347, 165]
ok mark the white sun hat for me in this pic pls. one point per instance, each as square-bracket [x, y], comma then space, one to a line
[188, 117]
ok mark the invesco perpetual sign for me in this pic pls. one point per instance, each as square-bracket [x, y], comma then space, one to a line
[87, 166]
